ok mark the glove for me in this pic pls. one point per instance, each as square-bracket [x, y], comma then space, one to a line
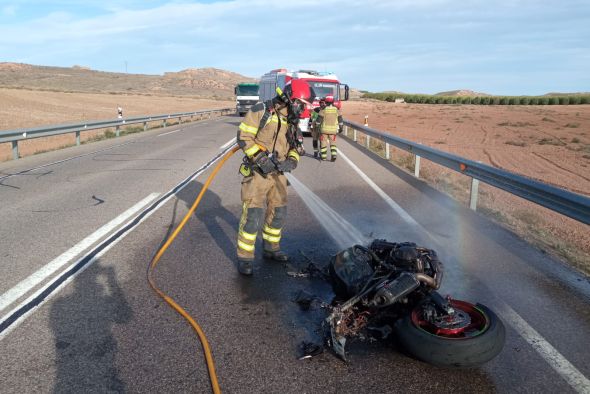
[264, 163]
[287, 165]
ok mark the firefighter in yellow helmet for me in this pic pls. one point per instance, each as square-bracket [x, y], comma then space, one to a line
[329, 122]
[264, 136]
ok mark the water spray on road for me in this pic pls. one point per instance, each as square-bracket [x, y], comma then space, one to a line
[339, 229]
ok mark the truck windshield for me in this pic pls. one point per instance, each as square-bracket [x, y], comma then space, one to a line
[322, 89]
[247, 90]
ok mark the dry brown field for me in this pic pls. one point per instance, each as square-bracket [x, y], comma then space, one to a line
[21, 108]
[547, 143]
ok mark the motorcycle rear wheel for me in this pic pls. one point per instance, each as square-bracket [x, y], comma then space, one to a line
[446, 345]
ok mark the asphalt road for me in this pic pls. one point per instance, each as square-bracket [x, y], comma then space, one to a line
[98, 327]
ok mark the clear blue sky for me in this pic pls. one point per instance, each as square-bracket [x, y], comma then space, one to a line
[420, 46]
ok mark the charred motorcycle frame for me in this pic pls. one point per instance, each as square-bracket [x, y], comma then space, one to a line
[394, 285]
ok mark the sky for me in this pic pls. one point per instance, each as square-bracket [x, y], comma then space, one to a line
[502, 47]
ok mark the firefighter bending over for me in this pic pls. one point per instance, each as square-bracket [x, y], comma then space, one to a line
[328, 122]
[264, 136]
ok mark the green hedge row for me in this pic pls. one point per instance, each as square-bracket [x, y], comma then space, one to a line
[481, 100]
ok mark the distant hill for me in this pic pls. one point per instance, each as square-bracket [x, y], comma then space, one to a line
[462, 93]
[194, 82]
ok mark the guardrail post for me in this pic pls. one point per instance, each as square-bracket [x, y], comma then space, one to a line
[191, 117]
[473, 194]
[77, 137]
[14, 150]
[417, 167]
[180, 120]
[144, 126]
[164, 123]
[354, 135]
[117, 130]
[346, 131]
[368, 141]
[387, 154]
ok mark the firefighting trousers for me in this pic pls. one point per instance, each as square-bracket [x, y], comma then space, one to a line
[264, 202]
[315, 136]
[325, 140]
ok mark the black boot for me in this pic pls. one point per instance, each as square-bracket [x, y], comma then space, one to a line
[245, 267]
[276, 256]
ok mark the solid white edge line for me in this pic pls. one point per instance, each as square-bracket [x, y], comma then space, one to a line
[27, 284]
[556, 360]
[399, 210]
[24, 316]
[228, 143]
[169, 132]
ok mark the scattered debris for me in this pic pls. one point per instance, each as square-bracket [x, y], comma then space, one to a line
[310, 349]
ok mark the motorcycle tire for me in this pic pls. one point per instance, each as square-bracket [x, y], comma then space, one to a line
[461, 350]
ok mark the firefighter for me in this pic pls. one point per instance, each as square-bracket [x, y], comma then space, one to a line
[315, 131]
[329, 122]
[263, 136]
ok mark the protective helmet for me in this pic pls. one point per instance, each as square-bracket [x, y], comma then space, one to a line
[295, 89]
[329, 99]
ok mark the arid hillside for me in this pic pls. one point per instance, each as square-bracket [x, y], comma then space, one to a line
[196, 82]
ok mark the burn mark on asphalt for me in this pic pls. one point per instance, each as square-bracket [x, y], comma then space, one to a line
[100, 201]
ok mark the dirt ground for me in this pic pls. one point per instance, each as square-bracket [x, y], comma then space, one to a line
[547, 143]
[21, 108]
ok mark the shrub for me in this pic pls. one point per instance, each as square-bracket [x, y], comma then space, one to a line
[475, 100]
[564, 100]
[524, 101]
[503, 101]
[512, 101]
[466, 100]
[552, 101]
[543, 100]
[584, 100]
[575, 100]
[484, 101]
[534, 101]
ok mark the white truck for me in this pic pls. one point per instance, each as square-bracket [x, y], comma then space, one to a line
[246, 97]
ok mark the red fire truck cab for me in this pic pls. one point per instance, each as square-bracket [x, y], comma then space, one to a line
[321, 83]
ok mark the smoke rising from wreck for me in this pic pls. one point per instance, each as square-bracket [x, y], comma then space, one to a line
[340, 230]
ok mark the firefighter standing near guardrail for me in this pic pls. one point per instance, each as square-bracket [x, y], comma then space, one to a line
[315, 131]
[263, 135]
[329, 122]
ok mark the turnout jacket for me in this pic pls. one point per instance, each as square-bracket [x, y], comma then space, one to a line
[254, 137]
[329, 119]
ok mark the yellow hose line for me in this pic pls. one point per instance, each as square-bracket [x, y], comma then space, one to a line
[170, 301]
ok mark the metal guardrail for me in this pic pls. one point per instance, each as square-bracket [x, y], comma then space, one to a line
[574, 205]
[14, 136]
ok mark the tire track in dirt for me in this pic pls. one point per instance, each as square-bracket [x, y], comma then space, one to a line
[562, 168]
[491, 159]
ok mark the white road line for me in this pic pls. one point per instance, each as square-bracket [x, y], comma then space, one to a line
[228, 143]
[399, 210]
[27, 284]
[170, 132]
[98, 255]
[555, 359]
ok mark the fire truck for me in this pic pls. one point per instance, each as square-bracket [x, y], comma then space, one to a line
[321, 83]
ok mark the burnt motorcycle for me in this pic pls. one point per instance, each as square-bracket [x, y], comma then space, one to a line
[394, 285]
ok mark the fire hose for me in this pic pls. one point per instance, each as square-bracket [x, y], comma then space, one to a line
[169, 300]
